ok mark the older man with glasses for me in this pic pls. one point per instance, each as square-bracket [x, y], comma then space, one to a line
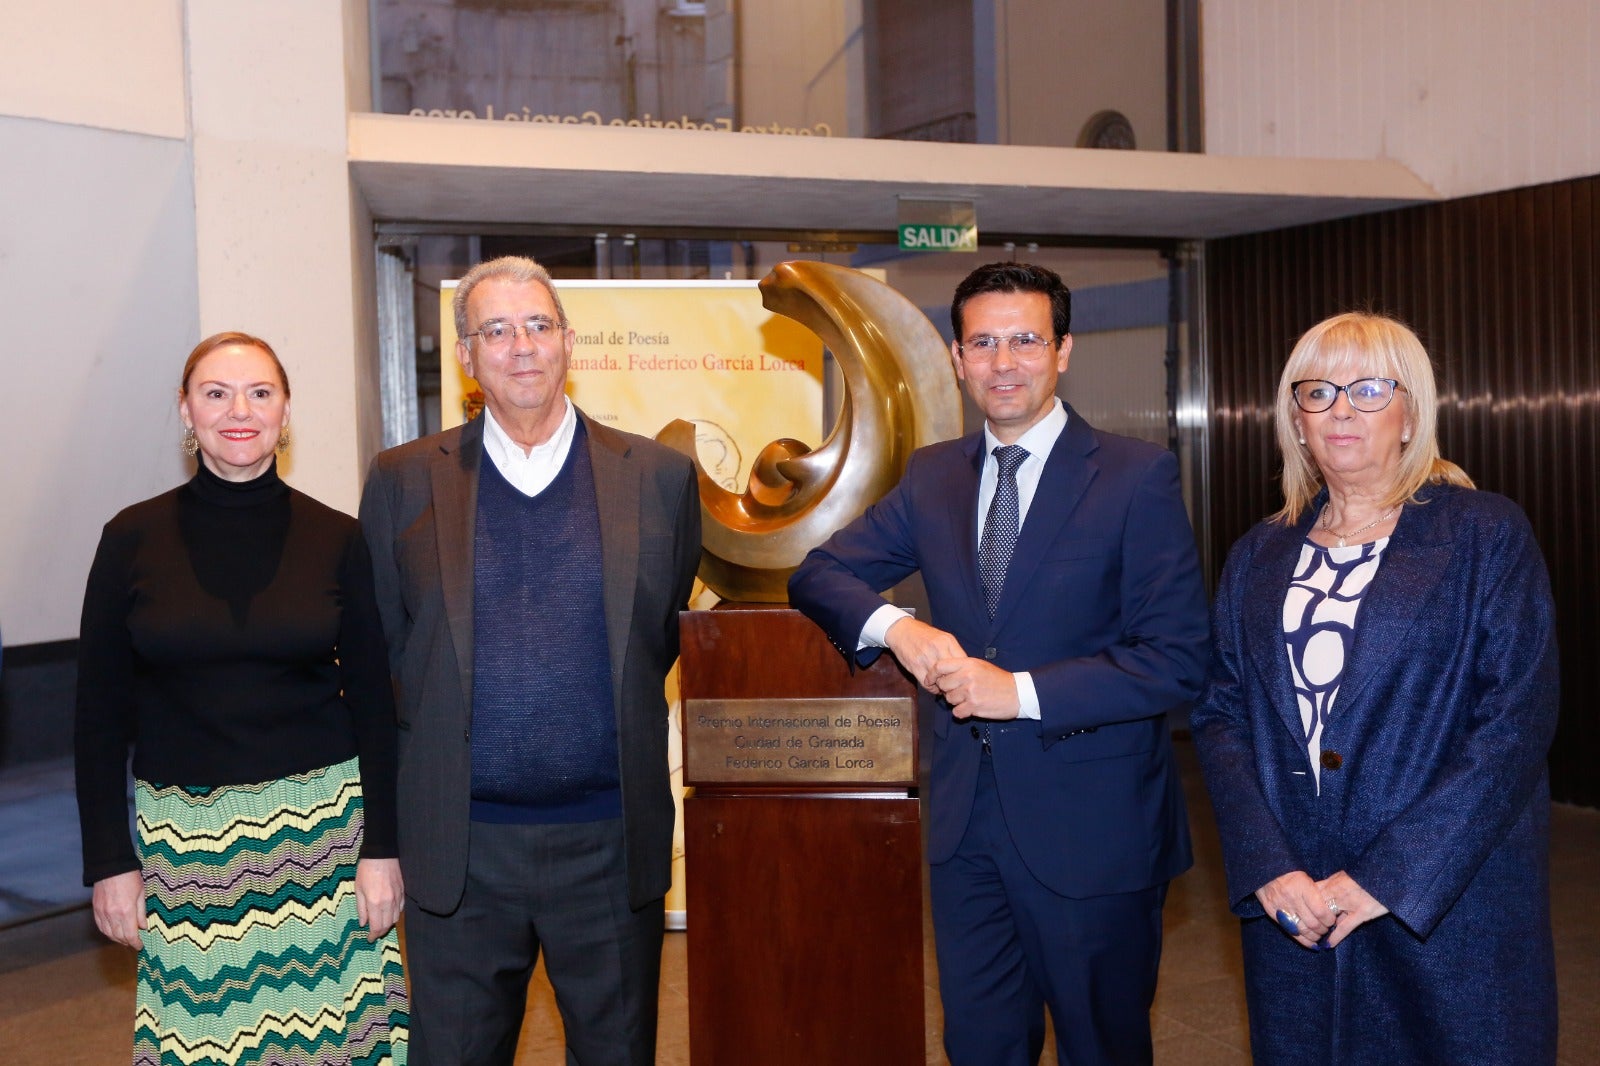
[530, 567]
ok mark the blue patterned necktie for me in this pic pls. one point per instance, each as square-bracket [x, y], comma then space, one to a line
[1000, 528]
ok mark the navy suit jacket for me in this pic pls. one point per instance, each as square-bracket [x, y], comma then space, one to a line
[1103, 604]
[1438, 807]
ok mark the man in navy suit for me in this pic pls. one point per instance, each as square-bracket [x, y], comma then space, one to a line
[1067, 619]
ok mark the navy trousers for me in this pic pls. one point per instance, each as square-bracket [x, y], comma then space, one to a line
[1008, 948]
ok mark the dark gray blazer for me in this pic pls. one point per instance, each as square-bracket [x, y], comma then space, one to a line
[418, 512]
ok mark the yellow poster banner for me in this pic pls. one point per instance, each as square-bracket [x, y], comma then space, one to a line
[648, 352]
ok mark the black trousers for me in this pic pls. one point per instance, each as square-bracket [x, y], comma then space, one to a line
[560, 889]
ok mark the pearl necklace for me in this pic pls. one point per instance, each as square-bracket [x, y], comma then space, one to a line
[1326, 509]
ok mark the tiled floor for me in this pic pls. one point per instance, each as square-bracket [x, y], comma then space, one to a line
[66, 996]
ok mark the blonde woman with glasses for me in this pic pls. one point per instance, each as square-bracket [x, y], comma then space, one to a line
[1374, 730]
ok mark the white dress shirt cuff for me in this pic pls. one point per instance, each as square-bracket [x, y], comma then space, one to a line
[1027, 696]
[877, 627]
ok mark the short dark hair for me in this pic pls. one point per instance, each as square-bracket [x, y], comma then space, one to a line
[1015, 277]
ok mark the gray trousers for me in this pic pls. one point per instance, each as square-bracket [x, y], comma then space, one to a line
[560, 889]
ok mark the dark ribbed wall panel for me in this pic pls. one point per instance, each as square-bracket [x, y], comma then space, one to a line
[1504, 291]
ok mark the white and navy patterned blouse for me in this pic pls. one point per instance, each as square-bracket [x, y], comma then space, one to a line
[1319, 626]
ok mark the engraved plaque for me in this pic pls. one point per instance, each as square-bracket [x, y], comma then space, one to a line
[813, 742]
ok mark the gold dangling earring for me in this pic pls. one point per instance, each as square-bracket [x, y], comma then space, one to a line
[190, 443]
[283, 441]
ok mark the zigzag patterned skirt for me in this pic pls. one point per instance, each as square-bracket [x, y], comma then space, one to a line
[253, 951]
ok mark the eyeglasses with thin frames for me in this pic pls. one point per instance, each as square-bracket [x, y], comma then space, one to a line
[1367, 395]
[499, 334]
[1024, 346]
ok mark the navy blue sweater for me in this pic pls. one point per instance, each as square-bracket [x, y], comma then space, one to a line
[544, 733]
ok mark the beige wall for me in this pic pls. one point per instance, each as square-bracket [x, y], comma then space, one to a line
[97, 287]
[1472, 95]
[97, 293]
[113, 64]
[168, 170]
[801, 64]
[274, 212]
[1058, 64]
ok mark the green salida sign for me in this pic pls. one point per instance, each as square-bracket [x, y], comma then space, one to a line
[930, 237]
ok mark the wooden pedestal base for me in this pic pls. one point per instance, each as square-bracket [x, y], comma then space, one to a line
[804, 887]
[805, 930]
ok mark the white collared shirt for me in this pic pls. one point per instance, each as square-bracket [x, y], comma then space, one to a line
[1039, 441]
[530, 472]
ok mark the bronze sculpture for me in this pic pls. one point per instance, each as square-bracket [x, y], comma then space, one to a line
[900, 394]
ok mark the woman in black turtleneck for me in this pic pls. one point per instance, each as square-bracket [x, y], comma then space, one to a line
[230, 637]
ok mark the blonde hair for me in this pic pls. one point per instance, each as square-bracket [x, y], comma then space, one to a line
[1355, 345]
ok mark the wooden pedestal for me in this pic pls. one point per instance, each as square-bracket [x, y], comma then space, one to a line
[804, 863]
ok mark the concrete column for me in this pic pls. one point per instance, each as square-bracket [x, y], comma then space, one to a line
[283, 239]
